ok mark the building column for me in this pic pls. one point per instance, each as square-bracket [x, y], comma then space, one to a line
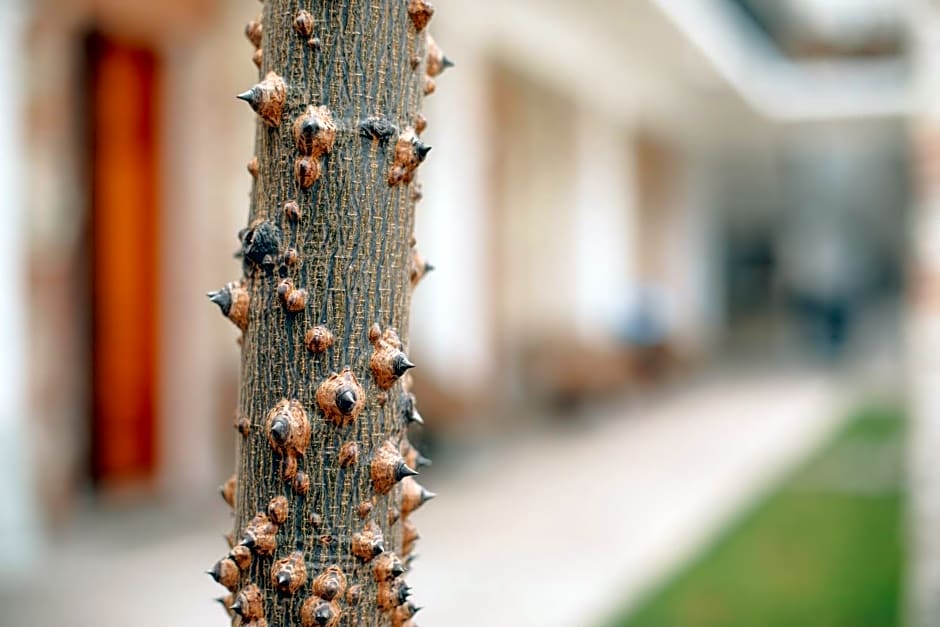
[451, 323]
[20, 532]
[604, 227]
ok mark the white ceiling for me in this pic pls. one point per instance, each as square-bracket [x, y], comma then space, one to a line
[844, 17]
[840, 22]
[680, 62]
[787, 89]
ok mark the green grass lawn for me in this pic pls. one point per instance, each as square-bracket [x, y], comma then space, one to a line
[824, 549]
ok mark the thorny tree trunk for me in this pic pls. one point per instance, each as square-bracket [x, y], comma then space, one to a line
[323, 485]
[922, 320]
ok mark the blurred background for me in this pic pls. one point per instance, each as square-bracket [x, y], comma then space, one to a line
[678, 360]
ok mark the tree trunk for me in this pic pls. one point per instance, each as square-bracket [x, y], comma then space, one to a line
[923, 320]
[323, 483]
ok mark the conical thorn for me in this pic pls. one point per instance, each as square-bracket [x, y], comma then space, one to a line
[401, 364]
[309, 128]
[422, 150]
[323, 614]
[404, 592]
[222, 298]
[346, 401]
[280, 430]
[402, 470]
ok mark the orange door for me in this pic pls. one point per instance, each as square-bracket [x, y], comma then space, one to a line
[123, 125]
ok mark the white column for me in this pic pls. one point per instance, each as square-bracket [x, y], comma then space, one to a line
[696, 290]
[450, 323]
[20, 534]
[604, 207]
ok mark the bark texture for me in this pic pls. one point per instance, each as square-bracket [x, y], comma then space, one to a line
[922, 582]
[328, 269]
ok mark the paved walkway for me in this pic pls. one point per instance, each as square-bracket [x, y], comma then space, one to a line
[566, 528]
[555, 530]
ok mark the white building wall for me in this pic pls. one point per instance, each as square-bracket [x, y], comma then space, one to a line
[536, 235]
[207, 137]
